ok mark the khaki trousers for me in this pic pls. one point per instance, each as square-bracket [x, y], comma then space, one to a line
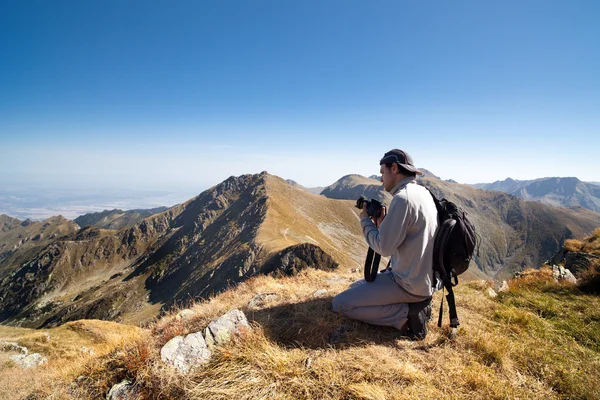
[381, 302]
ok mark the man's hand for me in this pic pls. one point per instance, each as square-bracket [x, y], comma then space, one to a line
[377, 221]
[364, 214]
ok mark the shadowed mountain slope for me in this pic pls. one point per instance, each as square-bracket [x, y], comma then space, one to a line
[514, 233]
[223, 236]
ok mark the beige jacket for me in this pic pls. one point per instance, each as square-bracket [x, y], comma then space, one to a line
[407, 234]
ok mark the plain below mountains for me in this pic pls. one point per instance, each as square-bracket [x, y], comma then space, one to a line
[560, 192]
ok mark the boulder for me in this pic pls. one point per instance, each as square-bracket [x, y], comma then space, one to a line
[504, 287]
[560, 273]
[223, 328]
[184, 353]
[122, 391]
[492, 293]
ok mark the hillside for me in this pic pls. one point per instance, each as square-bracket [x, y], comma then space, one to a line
[115, 219]
[539, 340]
[514, 233]
[225, 235]
[558, 192]
[351, 187]
[20, 241]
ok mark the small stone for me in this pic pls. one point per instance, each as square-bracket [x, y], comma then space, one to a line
[354, 270]
[122, 391]
[261, 299]
[504, 287]
[492, 293]
[87, 350]
[320, 292]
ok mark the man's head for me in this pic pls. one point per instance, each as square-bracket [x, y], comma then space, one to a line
[396, 165]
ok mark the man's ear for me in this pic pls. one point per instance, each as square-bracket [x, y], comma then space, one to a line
[395, 169]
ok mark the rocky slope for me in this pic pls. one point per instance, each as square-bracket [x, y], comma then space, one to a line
[223, 236]
[514, 233]
[116, 219]
[560, 192]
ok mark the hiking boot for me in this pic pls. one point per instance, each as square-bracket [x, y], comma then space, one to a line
[418, 316]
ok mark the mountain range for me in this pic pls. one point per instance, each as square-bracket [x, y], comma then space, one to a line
[54, 271]
[560, 192]
[244, 226]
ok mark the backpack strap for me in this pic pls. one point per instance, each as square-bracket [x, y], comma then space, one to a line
[451, 305]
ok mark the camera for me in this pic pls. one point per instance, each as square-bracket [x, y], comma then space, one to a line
[374, 207]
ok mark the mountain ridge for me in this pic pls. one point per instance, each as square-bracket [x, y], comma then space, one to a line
[554, 191]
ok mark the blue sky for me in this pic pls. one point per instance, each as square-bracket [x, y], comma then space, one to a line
[182, 94]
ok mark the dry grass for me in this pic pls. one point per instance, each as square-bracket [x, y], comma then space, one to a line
[63, 348]
[539, 340]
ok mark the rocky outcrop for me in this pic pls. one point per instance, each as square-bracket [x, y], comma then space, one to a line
[187, 352]
[29, 361]
[293, 259]
[23, 359]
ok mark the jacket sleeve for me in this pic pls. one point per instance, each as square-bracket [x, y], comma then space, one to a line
[392, 231]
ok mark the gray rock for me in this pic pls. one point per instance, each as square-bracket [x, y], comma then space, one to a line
[209, 339]
[320, 293]
[226, 326]
[12, 346]
[184, 353]
[122, 391]
[504, 287]
[560, 273]
[261, 299]
[492, 293]
[29, 361]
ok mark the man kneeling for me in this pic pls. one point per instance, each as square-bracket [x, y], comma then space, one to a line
[402, 293]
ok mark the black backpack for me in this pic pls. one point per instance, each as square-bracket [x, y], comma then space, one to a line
[454, 245]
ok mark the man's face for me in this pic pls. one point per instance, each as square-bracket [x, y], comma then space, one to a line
[387, 177]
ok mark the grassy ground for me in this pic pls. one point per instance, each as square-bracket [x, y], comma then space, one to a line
[538, 340]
